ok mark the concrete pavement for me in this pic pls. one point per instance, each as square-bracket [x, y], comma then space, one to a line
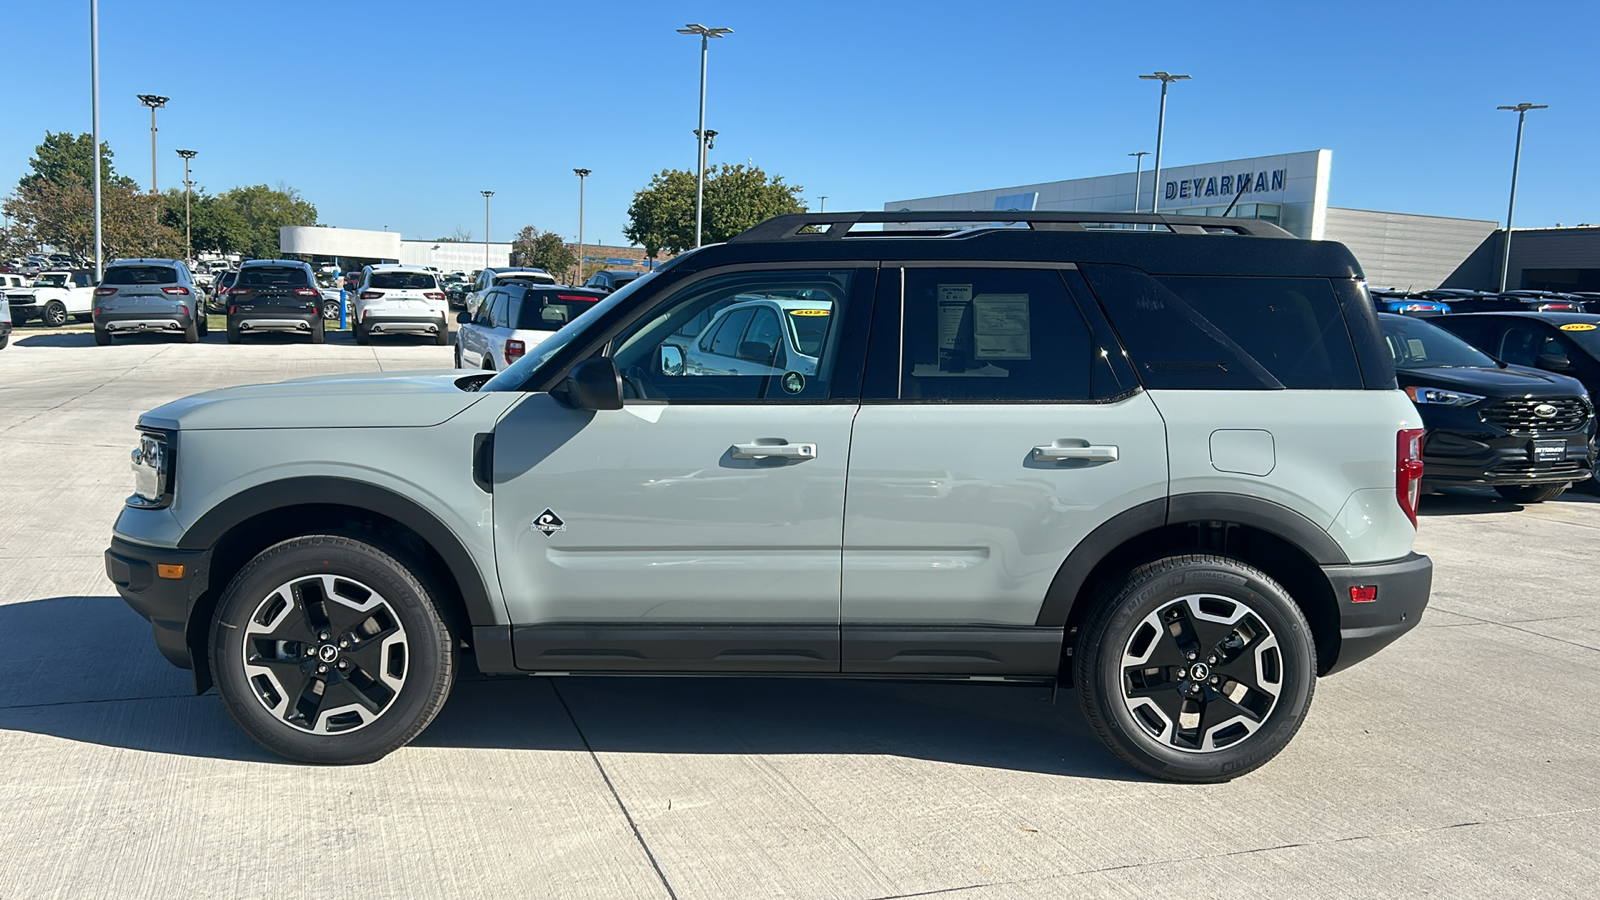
[1463, 761]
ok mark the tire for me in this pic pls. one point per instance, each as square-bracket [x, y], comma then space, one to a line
[443, 336]
[330, 310]
[191, 333]
[203, 324]
[458, 356]
[487, 364]
[233, 333]
[318, 333]
[5, 341]
[55, 314]
[102, 337]
[1524, 494]
[361, 335]
[1141, 711]
[268, 653]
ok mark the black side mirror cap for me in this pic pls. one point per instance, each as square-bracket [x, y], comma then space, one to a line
[463, 318]
[594, 384]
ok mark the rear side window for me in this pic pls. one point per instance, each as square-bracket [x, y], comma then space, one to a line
[1229, 332]
[551, 311]
[140, 275]
[273, 276]
[404, 281]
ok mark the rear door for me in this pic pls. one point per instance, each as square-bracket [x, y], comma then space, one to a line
[998, 428]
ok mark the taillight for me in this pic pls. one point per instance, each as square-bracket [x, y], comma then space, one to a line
[434, 295]
[307, 292]
[176, 290]
[223, 292]
[240, 292]
[1408, 470]
[104, 291]
[515, 349]
[371, 295]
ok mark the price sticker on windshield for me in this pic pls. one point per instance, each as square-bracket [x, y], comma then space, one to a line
[1577, 326]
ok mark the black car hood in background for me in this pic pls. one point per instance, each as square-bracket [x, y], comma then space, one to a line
[1512, 381]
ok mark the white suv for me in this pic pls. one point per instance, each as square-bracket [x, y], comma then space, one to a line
[396, 299]
[515, 318]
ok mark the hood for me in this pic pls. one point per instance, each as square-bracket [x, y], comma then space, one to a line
[358, 400]
[1512, 381]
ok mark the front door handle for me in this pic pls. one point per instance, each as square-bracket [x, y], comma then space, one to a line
[1090, 452]
[774, 450]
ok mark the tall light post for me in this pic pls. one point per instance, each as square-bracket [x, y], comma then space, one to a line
[1138, 172]
[188, 234]
[1521, 109]
[94, 103]
[822, 203]
[486, 196]
[582, 175]
[1161, 128]
[155, 102]
[706, 34]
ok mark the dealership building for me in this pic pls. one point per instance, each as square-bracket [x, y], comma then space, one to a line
[1291, 190]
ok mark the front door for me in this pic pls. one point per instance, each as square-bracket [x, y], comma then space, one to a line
[998, 428]
[698, 528]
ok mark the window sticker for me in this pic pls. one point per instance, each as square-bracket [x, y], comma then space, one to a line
[1577, 326]
[810, 312]
[794, 382]
[955, 300]
[1000, 327]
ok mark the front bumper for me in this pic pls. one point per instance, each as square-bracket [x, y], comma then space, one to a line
[1402, 594]
[1450, 456]
[164, 602]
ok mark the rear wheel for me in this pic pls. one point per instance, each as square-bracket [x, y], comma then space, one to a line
[361, 334]
[1198, 668]
[1531, 493]
[327, 649]
[458, 356]
[233, 333]
[191, 333]
[318, 333]
[203, 324]
[102, 337]
[55, 314]
[443, 336]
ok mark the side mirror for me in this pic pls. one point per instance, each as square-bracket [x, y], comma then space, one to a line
[671, 360]
[463, 318]
[594, 384]
[1552, 362]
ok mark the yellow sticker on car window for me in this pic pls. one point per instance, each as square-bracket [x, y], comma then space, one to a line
[810, 312]
[1577, 326]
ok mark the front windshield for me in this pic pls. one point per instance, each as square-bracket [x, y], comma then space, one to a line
[513, 377]
[50, 281]
[1415, 344]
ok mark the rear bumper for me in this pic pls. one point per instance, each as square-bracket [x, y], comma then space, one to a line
[381, 324]
[164, 602]
[145, 320]
[1402, 594]
[301, 324]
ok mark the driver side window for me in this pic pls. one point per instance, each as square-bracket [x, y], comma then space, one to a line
[700, 343]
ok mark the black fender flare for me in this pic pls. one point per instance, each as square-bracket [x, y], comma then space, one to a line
[1239, 509]
[329, 491]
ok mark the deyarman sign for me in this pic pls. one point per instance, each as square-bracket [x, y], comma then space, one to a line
[1227, 186]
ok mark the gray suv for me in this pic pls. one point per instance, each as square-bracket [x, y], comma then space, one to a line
[140, 295]
[1160, 460]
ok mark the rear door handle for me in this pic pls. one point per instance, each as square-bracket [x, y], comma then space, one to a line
[775, 450]
[1091, 453]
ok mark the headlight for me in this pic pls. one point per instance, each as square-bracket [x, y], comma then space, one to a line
[152, 472]
[1440, 397]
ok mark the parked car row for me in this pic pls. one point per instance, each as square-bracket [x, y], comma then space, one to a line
[1458, 300]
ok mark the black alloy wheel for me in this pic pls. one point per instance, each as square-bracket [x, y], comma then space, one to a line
[1198, 668]
[55, 314]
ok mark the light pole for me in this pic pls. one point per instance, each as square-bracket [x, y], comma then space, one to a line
[155, 102]
[582, 174]
[188, 235]
[700, 140]
[1161, 128]
[486, 196]
[94, 102]
[1521, 109]
[1138, 171]
[822, 203]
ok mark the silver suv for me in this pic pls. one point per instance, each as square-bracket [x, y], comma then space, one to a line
[139, 295]
[1161, 460]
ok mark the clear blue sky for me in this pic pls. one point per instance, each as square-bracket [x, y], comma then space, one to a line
[397, 113]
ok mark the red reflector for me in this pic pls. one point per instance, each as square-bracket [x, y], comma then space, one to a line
[232, 310]
[175, 290]
[515, 349]
[1363, 593]
[184, 307]
[104, 291]
[371, 295]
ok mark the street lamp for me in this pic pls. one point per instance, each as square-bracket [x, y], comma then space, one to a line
[1521, 109]
[582, 174]
[486, 196]
[188, 235]
[94, 105]
[1138, 171]
[822, 203]
[700, 180]
[155, 102]
[1161, 127]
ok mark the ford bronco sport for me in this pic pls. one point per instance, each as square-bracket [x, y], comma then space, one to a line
[1160, 459]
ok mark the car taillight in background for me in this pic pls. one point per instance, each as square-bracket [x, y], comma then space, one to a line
[176, 290]
[239, 293]
[104, 291]
[307, 292]
[1408, 470]
[371, 295]
[1558, 307]
[514, 350]
[435, 295]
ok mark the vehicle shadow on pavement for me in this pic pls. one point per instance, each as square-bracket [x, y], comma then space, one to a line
[1476, 501]
[53, 339]
[85, 669]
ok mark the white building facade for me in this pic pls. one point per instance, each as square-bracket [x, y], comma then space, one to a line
[354, 247]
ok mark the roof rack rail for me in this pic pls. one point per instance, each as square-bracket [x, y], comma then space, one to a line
[834, 226]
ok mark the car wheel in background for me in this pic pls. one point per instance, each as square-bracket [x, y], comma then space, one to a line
[203, 324]
[102, 337]
[1197, 668]
[330, 310]
[1531, 493]
[55, 314]
[443, 336]
[191, 333]
[233, 333]
[318, 334]
[458, 356]
[326, 649]
[361, 334]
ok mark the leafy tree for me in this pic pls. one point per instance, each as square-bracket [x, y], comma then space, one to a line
[544, 249]
[262, 211]
[736, 198]
[217, 225]
[68, 160]
[63, 216]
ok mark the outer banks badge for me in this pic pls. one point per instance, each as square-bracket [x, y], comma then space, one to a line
[794, 382]
[549, 523]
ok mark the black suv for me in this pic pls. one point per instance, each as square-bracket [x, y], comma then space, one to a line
[1524, 432]
[610, 280]
[1563, 343]
[275, 295]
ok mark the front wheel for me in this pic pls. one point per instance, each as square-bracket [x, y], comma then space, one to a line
[1198, 668]
[326, 649]
[1531, 493]
[55, 314]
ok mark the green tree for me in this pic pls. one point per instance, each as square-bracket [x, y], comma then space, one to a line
[67, 160]
[218, 226]
[262, 211]
[736, 198]
[544, 249]
[63, 216]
